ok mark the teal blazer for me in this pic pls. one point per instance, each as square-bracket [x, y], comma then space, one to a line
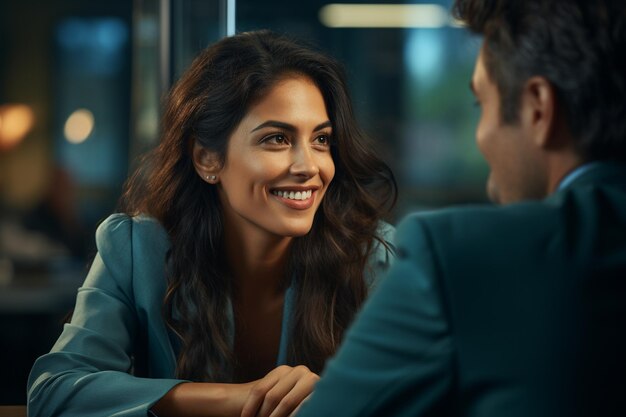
[513, 311]
[117, 326]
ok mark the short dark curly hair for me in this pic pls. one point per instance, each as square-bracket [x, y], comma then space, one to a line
[579, 46]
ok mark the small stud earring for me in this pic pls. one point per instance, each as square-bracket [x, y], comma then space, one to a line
[211, 177]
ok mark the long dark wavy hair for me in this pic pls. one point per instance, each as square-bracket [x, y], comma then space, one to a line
[327, 264]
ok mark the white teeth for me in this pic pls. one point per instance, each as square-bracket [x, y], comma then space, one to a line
[294, 195]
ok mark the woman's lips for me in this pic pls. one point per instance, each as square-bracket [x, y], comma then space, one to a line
[298, 200]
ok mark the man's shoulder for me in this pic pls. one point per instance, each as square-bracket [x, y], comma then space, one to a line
[465, 223]
[561, 232]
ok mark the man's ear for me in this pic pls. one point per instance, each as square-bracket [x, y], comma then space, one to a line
[206, 163]
[539, 111]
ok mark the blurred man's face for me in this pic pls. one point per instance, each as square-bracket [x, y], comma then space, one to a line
[508, 150]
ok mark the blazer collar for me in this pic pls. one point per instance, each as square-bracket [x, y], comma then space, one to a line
[596, 172]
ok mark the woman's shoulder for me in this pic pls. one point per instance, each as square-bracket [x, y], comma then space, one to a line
[382, 254]
[133, 250]
[121, 226]
[383, 246]
[386, 231]
[134, 234]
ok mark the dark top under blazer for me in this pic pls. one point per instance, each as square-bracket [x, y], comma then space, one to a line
[516, 311]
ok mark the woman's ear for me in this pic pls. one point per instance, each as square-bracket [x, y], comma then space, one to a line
[206, 163]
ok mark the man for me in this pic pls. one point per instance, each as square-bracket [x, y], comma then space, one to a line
[517, 310]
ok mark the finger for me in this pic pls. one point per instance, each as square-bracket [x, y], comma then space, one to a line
[296, 397]
[275, 395]
[260, 389]
[297, 409]
[286, 395]
[293, 399]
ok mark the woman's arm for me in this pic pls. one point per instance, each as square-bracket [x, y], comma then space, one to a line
[277, 394]
[88, 371]
[195, 399]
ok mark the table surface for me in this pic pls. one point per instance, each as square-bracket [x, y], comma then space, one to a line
[12, 411]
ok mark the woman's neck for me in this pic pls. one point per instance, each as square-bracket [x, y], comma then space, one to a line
[257, 261]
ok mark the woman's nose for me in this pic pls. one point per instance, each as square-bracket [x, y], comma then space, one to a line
[304, 162]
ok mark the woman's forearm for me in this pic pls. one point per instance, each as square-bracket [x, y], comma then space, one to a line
[199, 399]
[278, 393]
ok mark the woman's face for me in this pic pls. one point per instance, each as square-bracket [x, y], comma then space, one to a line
[278, 162]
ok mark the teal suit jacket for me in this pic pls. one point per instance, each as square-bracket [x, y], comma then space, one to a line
[117, 357]
[495, 312]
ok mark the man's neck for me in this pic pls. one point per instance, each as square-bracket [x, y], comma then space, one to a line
[559, 166]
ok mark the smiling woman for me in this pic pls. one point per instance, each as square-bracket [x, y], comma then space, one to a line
[257, 225]
[279, 152]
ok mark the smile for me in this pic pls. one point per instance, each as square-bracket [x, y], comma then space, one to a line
[293, 195]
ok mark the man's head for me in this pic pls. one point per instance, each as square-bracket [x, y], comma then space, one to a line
[551, 80]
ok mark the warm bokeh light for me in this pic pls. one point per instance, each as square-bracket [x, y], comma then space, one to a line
[16, 120]
[384, 16]
[79, 126]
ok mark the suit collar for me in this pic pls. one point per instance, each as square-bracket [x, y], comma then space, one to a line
[594, 172]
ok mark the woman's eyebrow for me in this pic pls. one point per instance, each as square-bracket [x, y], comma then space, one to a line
[275, 123]
[323, 125]
[287, 126]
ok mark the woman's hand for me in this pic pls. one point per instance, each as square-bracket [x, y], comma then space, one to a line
[277, 394]
[280, 392]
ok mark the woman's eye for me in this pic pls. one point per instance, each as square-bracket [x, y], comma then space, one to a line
[323, 140]
[275, 139]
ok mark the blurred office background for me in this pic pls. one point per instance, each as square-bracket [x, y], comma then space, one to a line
[80, 90]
